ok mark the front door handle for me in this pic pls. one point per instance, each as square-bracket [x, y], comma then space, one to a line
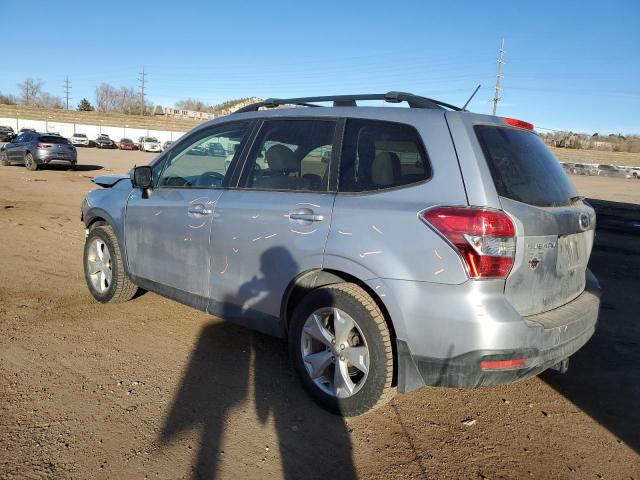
[199, 209]
[305, 215]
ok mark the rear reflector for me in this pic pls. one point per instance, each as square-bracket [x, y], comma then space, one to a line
[501, 364]
[518, 123]
[484, 238]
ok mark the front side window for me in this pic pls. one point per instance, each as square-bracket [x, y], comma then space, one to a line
[204, 162]
[291, 155]
[378, 155]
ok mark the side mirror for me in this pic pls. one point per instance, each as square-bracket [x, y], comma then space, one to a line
[142, 177]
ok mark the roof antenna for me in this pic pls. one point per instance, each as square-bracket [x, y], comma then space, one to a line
[464, 108]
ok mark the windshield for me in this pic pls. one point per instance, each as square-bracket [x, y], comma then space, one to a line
[80, 135]
[523, 168]
[150, 139]
[126, 140]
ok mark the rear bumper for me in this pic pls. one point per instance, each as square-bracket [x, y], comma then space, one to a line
[52, 157]
[542, 340]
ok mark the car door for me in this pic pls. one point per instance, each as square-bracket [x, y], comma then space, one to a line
[274, 225]
[167, 229]
[14, 149]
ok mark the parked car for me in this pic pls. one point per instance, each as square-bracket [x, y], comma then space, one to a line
[33, 149]
[6, 134]
[167, 144]
[149, 144]
[215, 149]
[126, 144]
[608, 171]
[79, 140]
[633, 172]
[584, 169]
[441, 248]
[103, 141]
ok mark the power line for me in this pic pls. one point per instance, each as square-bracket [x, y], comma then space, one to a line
[67, 90]
[141, 79]
[496, 98]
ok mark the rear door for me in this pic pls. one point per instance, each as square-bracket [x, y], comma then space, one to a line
[555, 228]
[274, 225]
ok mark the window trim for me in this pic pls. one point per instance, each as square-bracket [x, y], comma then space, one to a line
[396, 187]
[198, 135]
[244, 171]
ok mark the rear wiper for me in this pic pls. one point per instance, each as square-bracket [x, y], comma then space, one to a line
[576, 199]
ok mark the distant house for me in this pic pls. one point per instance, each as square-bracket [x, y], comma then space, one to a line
[180, 113]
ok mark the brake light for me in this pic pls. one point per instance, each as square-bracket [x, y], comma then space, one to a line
[484, 238]
[518, 123]
[43, 145]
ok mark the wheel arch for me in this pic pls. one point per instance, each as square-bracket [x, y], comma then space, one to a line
[312, 279]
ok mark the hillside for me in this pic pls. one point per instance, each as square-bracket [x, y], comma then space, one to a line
[158, 122]
[596, 156]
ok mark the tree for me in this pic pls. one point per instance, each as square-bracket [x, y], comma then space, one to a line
[46, 100]
[8, 99]
[85, 106]
[30, 91]
[192, 104]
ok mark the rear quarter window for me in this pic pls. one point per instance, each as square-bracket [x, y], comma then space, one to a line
[523, 168]
[379, 155]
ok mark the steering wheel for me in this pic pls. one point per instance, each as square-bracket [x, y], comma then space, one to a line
[210, 179]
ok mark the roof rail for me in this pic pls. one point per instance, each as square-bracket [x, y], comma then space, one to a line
[414, 101]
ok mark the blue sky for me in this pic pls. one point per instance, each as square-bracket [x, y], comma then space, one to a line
[569, 65]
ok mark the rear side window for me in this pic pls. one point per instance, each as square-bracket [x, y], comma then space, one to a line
[291, 155]
[523, 168]
[378, 155]
[53, 139]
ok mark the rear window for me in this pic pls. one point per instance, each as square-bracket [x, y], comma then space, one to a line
[523, 168]
[378, 155]
[53, 139]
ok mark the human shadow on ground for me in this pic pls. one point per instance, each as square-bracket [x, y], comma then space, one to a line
[312, 443]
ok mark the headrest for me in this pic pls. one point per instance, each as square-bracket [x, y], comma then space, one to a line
[384, 169]
[280, 158]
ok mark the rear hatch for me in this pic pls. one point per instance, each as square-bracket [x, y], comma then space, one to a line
[554, 227]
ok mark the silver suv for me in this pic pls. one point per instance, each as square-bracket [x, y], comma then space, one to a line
[392, 247]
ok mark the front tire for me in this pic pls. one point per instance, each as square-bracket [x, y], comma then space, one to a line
[104, 269]
[340, 346]
[30, 162]
[4, 160]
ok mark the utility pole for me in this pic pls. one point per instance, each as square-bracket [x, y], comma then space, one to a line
[67, 90]
[141, 79]
[496, 98]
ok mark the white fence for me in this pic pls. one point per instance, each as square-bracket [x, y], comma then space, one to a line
[91, 131]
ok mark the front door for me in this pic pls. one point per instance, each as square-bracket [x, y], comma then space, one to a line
[274, 226]
[167, 230]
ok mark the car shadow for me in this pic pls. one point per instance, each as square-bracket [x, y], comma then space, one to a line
[226, 360]
[79, 168]
[604, 376]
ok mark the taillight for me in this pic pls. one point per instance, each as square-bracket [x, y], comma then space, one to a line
[485, 238]
[43, 145]
[518, 123]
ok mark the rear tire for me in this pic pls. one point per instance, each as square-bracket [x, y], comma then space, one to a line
[104, 269]
[340, 346]
[30, 162]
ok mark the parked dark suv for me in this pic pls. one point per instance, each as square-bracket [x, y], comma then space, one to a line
[393, 247]
[6, 134]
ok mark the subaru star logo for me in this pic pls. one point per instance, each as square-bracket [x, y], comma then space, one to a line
[584, 221]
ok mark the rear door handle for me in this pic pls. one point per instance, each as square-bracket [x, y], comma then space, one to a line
[305, 214]
[199, 209]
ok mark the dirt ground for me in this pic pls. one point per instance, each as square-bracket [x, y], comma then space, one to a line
[153, 389]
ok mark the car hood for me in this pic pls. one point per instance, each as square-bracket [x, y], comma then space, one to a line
[109, 181]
